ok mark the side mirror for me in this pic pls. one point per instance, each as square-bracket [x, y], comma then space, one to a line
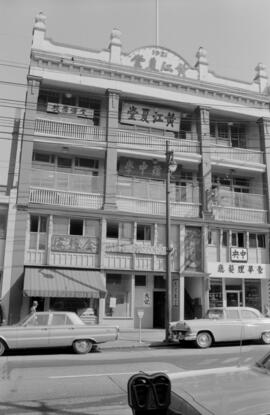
[149, 394]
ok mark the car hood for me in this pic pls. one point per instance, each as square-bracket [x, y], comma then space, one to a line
[237, 391]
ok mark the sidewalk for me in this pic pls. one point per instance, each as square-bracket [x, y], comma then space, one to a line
[132, 338]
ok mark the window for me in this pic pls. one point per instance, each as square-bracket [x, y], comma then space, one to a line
[140, 280]
[248, 315]
[233, 314]
[186, 126]
[76, 227]
[85, 163]
[238, 239]
[126, 230]
[256, 240]
[224, 238]
[112, 230]
[43, 157]
[64, 162]
[212, 237]
[60, 320]
[3, 223]
[118, 298]
[223, 130]
[143, 232]
[38, 232]
[38, 320]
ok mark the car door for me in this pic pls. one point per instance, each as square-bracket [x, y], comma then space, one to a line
[61, 330]
[230, 327]
[252, 324]
[34, 332]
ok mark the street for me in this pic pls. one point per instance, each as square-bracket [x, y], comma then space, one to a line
[62, 383]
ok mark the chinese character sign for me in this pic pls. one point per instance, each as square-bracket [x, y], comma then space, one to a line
[157, 59]
[238, 270]
[239, 255]
[70, 110]
[161, 118]
[152, 169]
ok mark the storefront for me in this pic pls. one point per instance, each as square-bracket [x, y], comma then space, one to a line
[62, 289]
[238, 284]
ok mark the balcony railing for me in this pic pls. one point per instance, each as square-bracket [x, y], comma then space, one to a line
[51, 179]
[223, 152]
[64, 129]
[62, 198]
[155, 207]
[239, 207]
[134, 139]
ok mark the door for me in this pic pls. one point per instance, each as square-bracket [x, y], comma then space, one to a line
[233, 298]
[34, 333]
[159, 309]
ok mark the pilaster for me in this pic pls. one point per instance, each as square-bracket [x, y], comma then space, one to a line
[110, 189]
[264, 128]
[205, 168]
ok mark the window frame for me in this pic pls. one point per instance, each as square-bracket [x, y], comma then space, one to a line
[144, 228]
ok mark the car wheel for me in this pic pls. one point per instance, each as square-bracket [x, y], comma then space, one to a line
[2, 347]
[204, 339]
[266, 337]
[82, 346]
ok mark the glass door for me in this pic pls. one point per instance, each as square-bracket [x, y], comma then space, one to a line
[233, 298]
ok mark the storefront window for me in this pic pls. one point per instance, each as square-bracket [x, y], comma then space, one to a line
[118, 298]
[215, 293]
[253, 294]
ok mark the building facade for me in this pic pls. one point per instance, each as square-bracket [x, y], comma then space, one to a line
[90, 228]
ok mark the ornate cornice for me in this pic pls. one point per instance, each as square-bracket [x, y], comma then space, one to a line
[105, 70]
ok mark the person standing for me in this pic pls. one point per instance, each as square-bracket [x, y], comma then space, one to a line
[33, 309]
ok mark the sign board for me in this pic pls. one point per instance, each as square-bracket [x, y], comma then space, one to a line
[238, 270]
[239, 254]
[112, 302]
[149, 116]
[70, 110]
[146, 299]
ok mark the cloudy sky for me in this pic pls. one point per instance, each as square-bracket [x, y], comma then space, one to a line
[235, 34]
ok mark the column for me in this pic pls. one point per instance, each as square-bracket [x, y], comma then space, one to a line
[264, 129]
[205, 167]
[182, 278]
[110, 189]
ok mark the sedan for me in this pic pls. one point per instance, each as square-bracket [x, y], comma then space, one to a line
[222, 391]
[54, 329]
[223, 324]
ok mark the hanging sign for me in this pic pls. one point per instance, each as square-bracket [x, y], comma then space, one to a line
[147, 116]
[151, 169]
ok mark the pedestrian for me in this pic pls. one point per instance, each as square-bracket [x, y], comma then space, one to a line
[33, 309]
[267, 311]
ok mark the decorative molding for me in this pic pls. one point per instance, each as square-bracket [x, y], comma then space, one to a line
[72, 243]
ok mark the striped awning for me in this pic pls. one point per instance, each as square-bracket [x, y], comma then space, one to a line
[60, 282]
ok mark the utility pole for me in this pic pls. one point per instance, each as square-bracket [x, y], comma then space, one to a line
[171, 167]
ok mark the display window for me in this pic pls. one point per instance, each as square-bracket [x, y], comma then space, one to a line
[118, 298]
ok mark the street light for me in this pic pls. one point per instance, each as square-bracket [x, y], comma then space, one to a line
[171, 167]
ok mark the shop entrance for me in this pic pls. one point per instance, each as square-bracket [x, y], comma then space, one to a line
[159, 309]
[233, 298]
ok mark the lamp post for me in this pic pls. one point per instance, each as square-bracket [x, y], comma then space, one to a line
[171, 167]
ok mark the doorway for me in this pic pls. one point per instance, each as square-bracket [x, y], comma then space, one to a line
[233, 298]
[159, 309]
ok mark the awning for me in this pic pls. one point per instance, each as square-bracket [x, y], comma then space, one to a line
[60, 282]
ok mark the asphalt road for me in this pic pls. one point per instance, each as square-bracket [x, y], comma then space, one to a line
[65, 384]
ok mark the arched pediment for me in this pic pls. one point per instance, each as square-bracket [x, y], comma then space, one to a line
[157, 59]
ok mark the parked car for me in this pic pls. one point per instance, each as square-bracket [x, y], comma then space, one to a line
[222, 391]
[54, 329]
[223, 324]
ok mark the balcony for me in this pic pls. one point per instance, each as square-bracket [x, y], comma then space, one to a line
[239, 207]
[66, 190]
[143, 141]
[68, 130]
[226, 153]
[148, 197]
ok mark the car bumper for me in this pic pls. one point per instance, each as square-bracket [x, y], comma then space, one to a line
[185, 336]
